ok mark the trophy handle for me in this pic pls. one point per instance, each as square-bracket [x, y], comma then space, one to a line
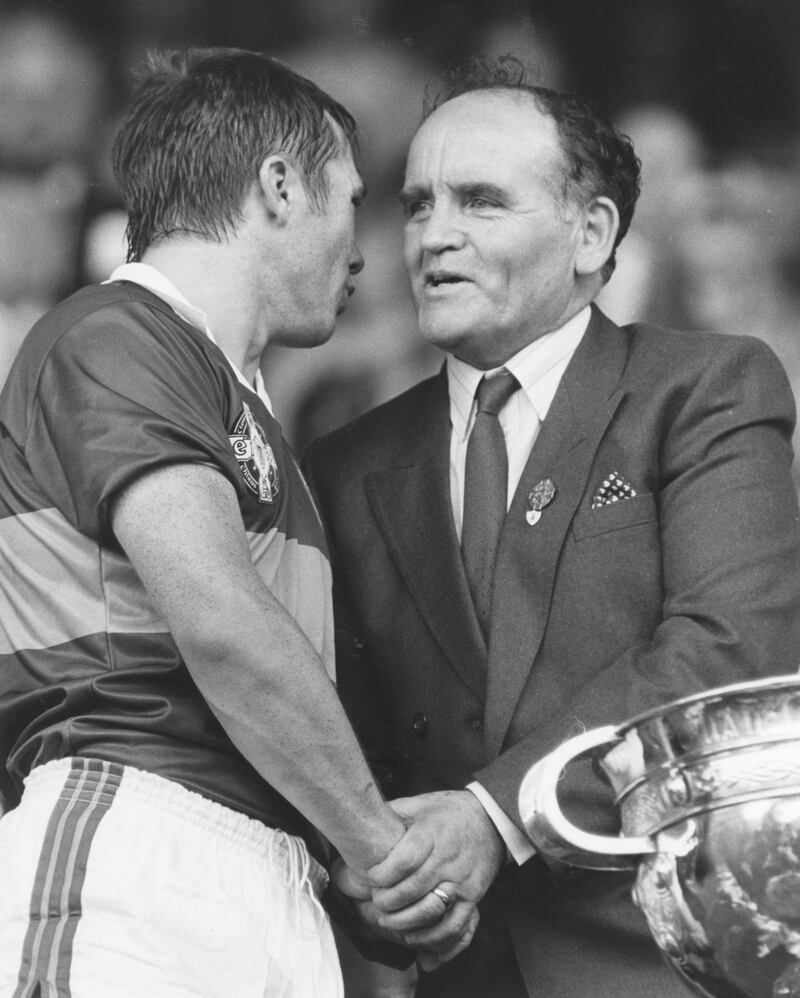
[552, 833]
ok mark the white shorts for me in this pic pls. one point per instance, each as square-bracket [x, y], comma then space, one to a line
[115, 883]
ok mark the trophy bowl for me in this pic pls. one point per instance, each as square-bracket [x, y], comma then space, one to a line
[710, 808]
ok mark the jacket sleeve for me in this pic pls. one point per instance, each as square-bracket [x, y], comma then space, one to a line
[359, 690]
[363, 709]
[730, 565]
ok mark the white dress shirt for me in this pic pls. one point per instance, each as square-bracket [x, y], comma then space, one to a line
[538, 368]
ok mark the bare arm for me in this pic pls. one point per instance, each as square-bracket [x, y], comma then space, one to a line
[182, 530]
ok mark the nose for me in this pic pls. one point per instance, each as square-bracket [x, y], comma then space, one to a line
[440, 230]
[356, 264]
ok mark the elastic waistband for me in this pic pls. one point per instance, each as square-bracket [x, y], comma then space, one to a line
[78, 777]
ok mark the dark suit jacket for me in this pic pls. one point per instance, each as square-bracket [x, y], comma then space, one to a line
[598, 614]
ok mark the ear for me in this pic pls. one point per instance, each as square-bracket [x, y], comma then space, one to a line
[597, 235]
[277, 180]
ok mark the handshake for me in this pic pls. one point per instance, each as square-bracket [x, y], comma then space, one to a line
[424, 894]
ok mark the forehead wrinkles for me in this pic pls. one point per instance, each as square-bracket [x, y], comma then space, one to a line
[487, 136]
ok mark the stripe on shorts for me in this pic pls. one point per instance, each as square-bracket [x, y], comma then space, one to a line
[55, 908]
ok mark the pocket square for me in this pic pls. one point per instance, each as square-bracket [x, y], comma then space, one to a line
[612, 489]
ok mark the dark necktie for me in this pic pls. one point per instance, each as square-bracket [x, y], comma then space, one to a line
[485, 490]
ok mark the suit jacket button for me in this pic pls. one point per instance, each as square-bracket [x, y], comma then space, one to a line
[420, 725]
[476, 723]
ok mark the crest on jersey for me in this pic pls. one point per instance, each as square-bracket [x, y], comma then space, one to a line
[255, 456]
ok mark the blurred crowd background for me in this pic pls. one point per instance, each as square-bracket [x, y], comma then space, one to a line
[709, 91]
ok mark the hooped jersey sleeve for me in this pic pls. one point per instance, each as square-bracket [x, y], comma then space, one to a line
[129, 388]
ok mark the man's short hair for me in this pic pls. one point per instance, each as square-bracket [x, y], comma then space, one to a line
[599, 161]
[201, 123]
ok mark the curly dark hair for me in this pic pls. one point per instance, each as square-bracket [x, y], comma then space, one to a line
[599, 161]
[201, 123]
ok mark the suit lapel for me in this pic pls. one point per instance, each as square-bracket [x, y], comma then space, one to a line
[411, 501]
[527, 556]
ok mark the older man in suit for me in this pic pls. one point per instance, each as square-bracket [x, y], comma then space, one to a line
[571, 523]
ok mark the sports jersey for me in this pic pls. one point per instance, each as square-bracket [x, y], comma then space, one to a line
[107, 386]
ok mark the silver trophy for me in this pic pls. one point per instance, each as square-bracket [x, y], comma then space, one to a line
[710, 804]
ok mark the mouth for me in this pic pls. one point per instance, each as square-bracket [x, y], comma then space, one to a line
[437, 279]
[345, 295]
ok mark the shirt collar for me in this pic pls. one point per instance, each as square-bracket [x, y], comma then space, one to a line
[152, 279]
[531, 367]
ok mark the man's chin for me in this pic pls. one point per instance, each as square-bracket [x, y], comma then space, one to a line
[305, 338]
[446, 336]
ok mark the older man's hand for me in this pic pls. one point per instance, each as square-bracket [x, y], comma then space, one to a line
[450, 844]
[435, 932]
[429, 885]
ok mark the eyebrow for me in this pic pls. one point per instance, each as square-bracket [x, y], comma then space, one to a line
[409, 194]
[481, 187]
[463, 189]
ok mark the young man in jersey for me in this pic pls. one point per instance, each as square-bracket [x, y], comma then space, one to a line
[170, 734]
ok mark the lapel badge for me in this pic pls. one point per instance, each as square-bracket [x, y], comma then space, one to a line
[540, 495]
